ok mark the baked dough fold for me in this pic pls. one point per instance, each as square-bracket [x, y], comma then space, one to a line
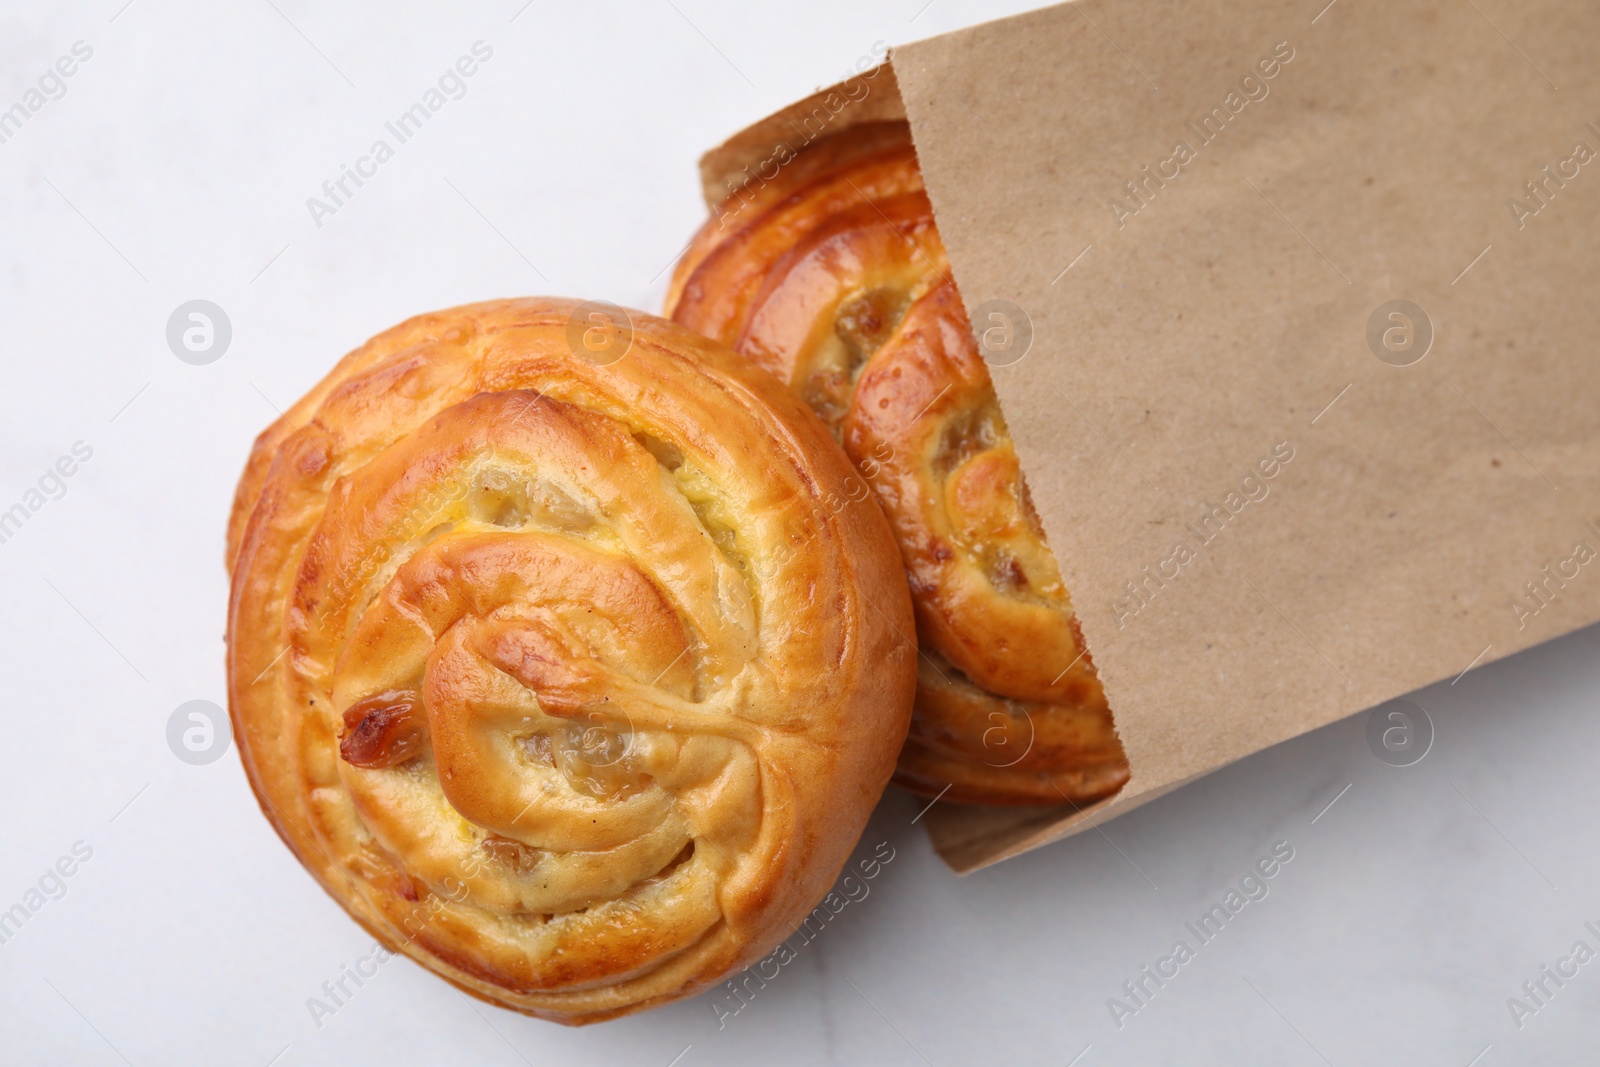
[557, 670]
[832, 277]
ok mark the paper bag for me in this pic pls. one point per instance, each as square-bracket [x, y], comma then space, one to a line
[1310, 409]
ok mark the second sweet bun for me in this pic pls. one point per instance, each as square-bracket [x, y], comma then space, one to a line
[550, 660]
[832, 277]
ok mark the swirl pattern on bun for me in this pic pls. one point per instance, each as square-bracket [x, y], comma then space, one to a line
[553, 663]
[832, 277]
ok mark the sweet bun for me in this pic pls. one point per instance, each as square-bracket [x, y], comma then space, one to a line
[550, 659]
[832, 277]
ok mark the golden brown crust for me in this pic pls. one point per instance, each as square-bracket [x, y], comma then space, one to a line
[833, 279]
[561, 677]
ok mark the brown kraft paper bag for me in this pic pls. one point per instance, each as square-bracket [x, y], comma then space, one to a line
[1298, 306]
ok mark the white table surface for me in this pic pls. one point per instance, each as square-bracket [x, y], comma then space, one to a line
[177, 166]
